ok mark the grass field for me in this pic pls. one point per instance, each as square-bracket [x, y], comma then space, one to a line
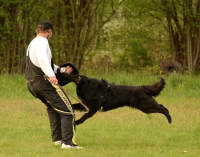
[124, 132]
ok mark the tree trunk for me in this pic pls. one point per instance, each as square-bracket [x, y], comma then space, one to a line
[196, 59]
[188, 35]
[183, 32]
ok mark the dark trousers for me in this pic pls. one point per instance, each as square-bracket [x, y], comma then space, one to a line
[59, 110]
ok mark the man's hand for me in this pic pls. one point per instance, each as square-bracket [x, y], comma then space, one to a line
[68, 69]
[53, 80]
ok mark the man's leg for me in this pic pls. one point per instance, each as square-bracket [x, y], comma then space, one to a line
[60, 103]
[55, 124]
[55, 121]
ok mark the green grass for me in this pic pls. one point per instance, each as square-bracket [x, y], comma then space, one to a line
[124, 132]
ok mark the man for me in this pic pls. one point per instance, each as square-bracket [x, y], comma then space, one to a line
[42, 84]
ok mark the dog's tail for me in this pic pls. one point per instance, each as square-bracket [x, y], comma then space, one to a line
[156, 88]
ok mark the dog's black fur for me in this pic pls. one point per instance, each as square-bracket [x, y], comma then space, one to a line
[97, 94]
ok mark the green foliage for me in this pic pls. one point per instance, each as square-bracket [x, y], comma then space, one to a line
[138, 54]
[135, 39]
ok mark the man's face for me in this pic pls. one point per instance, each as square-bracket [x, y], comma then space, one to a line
[50, 34]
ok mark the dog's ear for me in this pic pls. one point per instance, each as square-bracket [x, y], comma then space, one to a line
[84, 79]
[104, 81]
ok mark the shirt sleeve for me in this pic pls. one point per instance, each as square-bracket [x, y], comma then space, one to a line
[44, 59]
[55, 68]
[59, 70]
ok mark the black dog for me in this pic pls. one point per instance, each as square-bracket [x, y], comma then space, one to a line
[97, 94]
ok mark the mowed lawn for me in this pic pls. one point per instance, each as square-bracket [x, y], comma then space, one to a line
[124, 132]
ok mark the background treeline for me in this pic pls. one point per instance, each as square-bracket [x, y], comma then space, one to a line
[105, 34]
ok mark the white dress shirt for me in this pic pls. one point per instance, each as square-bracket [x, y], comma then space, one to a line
[40, 55]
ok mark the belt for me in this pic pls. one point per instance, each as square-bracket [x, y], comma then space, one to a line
[35, 79]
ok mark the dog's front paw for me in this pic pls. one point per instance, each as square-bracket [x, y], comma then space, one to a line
[77, 122]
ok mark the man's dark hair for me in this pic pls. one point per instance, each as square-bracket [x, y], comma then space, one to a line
[45, 25]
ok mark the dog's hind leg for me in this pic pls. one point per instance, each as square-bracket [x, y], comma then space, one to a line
[158, 108]
[166, 113]
[153, 107]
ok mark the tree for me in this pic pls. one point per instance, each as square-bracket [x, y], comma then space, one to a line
[15, 28]
[82, 21]
[182, 19]
[135, 38]
[77, 24]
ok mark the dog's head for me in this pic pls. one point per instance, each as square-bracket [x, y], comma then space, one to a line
[89, 88]
[83, 89]
[82, 79]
